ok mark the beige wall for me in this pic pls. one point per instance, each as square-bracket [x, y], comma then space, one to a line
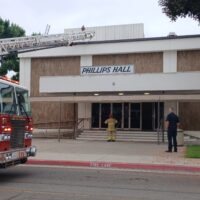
[51, 112]
[189, 113]
[188, 61]
[62, 66]
[143, 62]
[167, 105]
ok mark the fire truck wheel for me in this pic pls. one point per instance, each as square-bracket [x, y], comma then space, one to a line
[23, 160]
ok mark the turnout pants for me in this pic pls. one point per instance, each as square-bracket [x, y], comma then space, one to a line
[172, 140]
[111, 136]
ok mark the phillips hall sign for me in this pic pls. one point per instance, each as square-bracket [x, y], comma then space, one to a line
[106, 70]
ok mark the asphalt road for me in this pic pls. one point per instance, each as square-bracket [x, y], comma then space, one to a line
[47, 183]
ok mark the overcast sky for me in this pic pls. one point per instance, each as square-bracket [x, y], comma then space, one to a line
[34, 15]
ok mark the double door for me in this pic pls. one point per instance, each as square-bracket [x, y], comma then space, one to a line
[138, 116]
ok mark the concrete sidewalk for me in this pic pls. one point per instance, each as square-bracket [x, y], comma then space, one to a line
[127, 155]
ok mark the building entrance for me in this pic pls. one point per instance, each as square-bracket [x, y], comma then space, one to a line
[147, 116]
[130, 116]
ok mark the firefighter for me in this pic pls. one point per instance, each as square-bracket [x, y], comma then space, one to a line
[111, 128]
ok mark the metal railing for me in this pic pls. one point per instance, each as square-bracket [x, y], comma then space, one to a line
[161, 132]
[72, 127]
[58, 128]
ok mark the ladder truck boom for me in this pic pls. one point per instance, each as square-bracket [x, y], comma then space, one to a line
[9, 45]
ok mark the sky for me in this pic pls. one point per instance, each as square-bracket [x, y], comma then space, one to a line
[34, 15]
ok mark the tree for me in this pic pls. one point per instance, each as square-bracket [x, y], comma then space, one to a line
[10, 62]
[181, 8]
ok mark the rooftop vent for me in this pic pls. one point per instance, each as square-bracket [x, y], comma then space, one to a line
[172, 34]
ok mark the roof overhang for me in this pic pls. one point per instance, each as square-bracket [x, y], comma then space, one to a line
[120, 47]
[115, 98]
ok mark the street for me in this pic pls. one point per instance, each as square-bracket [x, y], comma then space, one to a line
[46, 183]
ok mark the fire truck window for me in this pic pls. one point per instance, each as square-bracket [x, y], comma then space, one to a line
[7, 99]
[20, 98]
[23, 101]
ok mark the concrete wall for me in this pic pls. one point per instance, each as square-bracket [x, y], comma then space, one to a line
[114, 32]
[116, 83]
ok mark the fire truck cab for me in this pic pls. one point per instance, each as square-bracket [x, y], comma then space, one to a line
[15, 124]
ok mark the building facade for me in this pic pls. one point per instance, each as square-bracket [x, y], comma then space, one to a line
[118, 71]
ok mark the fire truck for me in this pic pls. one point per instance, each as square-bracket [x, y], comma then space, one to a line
[16, 125]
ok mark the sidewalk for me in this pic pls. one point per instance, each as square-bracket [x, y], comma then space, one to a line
[126, 155]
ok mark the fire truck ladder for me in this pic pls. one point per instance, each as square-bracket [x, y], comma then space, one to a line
[10, 45]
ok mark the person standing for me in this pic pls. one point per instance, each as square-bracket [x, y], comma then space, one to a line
[172, 123]
[111, 128]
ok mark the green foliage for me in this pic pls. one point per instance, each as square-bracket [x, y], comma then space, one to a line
[35, 34]
[8, 30]
[10, 62]
[193, 151]
[181, 8]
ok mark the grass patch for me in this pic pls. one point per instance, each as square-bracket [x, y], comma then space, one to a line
[193, 151]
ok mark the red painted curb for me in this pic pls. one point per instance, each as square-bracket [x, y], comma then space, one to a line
[94, 164]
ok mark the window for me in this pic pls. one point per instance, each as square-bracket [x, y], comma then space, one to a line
[7, 99]
[23, 102]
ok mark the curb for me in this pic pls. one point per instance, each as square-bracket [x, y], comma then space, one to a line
[117, 165]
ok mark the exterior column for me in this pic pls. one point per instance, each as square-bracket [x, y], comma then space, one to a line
[86, 60]
[84, 109]
[170, 66]
[169, 61]
[25, 73]
[84, 113]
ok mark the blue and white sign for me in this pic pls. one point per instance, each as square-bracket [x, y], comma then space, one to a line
[107, 70]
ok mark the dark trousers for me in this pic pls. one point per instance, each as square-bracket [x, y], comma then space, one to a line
[172, 140]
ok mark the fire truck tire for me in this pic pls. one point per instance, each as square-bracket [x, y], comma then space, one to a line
[24, 160]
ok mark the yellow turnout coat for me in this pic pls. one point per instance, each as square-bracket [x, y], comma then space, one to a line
[111, 124]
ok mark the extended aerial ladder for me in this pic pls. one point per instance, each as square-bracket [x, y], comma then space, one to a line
[10, 45]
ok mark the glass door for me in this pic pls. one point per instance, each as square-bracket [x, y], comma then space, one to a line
[159, 114]
[147, 116]
[117, 113]
[126, 114]
[135, 115]
[105, 112]
[95, 115]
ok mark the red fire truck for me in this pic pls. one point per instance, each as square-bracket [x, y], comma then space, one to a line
[15, 116]
[15, 124]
